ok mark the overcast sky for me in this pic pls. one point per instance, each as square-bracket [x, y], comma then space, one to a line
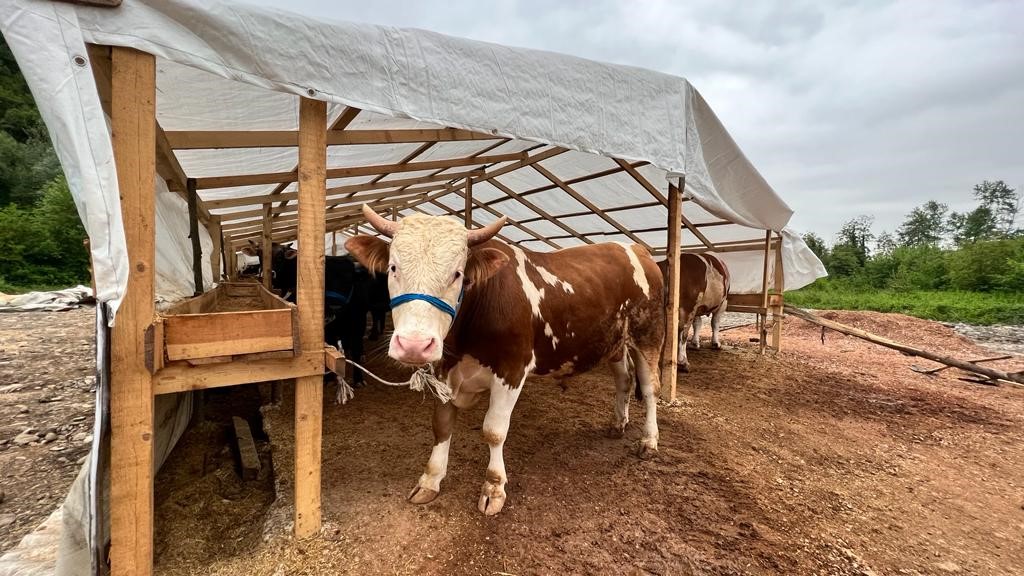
[845, 107]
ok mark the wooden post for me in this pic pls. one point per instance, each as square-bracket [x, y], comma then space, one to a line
[779, 288]
[193, 234]
[334, 243]
[267, 256]
[231, 261]
[309, 389]
[133, 130]
[469, 203]
[763, 332]
[675, 224]
[216, 255]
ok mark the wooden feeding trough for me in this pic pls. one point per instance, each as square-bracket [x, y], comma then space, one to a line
[234, 319]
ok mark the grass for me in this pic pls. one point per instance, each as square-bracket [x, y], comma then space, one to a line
[983, 308]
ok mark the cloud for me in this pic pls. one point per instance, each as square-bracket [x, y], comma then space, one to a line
[847, 108]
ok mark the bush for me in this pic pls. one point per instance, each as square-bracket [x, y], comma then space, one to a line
[987, 266]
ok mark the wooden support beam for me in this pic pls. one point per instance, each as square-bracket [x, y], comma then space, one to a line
[779, 289]
[288, 177]
[763, 335]
[310, 301]
[653, 190]
[133, 130]
[193, 234]
[590, 205]
[346, 205]
[236, 139]
[511, 193]
[468, 197]
[267, 252]
[518, 225]
[217, 255]
[670, 355]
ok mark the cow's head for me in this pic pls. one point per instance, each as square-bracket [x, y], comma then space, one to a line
[283, 265]
[429, 257]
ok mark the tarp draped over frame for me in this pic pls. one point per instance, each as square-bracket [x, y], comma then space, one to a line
[225, 66]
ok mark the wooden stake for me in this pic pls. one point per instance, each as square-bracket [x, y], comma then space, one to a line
[217, 255]
[309, 389]
[675, 223]
[334, 243]
[133, 130]
[193, 234]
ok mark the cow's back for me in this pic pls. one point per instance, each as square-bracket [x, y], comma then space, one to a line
[559, 312]
[703, 283]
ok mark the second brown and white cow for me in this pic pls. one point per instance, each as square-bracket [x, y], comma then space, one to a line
[703, 291]
[491, 314]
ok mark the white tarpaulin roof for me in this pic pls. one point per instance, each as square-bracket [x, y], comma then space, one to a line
[225, 66]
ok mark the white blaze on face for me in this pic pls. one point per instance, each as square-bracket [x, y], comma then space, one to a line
[638, 270]
[425, 254]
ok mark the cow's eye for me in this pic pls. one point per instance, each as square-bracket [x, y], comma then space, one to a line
[393, 269]
[458, 275]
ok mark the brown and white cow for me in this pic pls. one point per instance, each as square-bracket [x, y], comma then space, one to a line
[703, 291]
[521, 313]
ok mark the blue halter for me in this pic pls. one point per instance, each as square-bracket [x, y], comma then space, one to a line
[332, 295]
[432, 300]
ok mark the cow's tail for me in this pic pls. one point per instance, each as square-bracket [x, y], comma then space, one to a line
[631, 368]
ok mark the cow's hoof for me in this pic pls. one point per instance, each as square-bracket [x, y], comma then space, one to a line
[647, 448]
[358, 384]
[617, 430]
[421, 495]
[492, 499]
[685, 368]
[716, 345]
[692, 346]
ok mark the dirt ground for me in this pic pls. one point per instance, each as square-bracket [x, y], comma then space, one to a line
[825, 459]
[47, 380]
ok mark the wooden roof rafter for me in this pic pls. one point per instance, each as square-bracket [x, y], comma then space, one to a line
[242, 139]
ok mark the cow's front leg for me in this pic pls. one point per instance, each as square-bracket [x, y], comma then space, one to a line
[429, 485]
[495, 430]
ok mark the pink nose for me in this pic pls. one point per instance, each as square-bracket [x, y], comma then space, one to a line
[413, 349]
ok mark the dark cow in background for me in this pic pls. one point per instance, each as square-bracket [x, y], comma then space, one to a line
[380, 303]
[703, 291]
[490, 315]
[347, 287]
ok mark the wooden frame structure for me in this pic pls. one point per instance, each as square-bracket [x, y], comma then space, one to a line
[149, 354]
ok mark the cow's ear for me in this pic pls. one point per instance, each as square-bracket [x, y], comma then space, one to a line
[290, 253]
[370, 251]
[483, 263]
[251, 249]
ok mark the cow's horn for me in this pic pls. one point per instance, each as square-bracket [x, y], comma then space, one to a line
[384, 226]
[487, 232]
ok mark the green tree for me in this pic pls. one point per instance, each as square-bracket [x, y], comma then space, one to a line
[987, 266]
[856, 235]
[817, 245]
[924, 226]
[1003, 201]
[974, 226]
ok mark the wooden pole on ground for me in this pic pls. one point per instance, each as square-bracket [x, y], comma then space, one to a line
[469, 203]
[267, 253]
[763, 332]
[310, 302]
[133, 131]
[669, 372]
[1014, 378]
[193, 234]
[779, 288]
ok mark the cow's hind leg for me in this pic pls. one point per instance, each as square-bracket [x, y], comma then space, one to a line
[716, 320]
[684, 333]
[429, 485]
[646, 365]
[495, 430]
[623, 384]
[698, 321]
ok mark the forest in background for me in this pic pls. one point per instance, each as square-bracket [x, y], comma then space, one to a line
[41, 236]
[939, 264]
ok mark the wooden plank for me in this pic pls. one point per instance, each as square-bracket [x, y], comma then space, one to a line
[248, 458]
[497, 184]
[206, 140]
[746, 309]
[182, 377]
[468, 197]
[192, 198]
[334, 360]
[754, 300]
[515, 223]
[763, 336]
[267, 253]
[133, 131]
[310, 299]
[281, 177]
[669, 372]
[1015, 378]
[227, 333]
[217, 235]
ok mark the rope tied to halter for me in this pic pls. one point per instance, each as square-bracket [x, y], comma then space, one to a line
[423, 379]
